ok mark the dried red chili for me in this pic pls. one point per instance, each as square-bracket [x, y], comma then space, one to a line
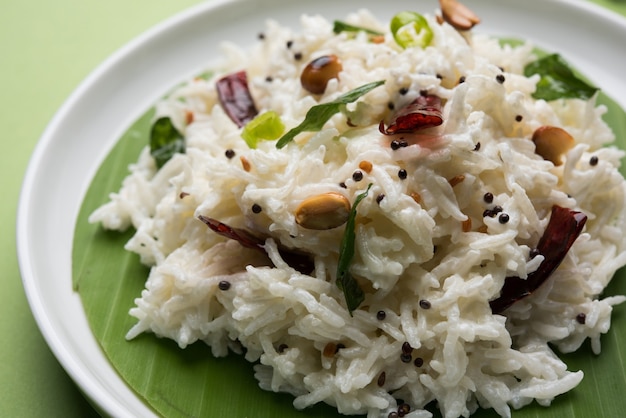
[235, 98]
[242, 236]
[423, 112]
[564, 227]
[299, 261]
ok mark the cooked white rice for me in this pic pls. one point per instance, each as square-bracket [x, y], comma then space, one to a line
[471, 357]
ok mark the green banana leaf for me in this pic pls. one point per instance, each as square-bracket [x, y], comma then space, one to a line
[192, 383]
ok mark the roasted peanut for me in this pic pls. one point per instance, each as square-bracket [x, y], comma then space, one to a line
[318, 72]
[458, 15]
[551, 142]
[323, 211]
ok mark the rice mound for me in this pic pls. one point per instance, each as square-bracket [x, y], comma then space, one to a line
[410, 246]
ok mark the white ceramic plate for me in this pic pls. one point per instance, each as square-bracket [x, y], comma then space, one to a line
[123, 87]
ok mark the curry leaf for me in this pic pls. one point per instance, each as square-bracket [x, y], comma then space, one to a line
[557, 81]
[350, 287]
[339, 26]
[318, 115]
[165, 141]
[206, 76]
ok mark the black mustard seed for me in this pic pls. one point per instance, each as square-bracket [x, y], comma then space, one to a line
[402, 174]
[581, 318]
[381, 379]
[256, 208]
[493, 212]
[593, 160]
[403, 409]
[224, 285]
[357, 175]
[229, 153]
[396, 144]
[406, 357]
[424, 304]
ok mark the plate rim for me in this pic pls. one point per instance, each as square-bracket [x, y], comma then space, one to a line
[84, 378]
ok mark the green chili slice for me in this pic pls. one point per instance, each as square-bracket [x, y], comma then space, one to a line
[266, 126]
[410, 29]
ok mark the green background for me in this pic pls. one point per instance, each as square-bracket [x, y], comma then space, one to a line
[46, 50]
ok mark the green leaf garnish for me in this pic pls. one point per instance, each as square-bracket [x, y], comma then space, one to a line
[206, 75]
[350, 287]
[411, 29]
[165, 141]
[339, 26]
[557, 81]
[318, 115]
[512, 42]
[266, 126]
